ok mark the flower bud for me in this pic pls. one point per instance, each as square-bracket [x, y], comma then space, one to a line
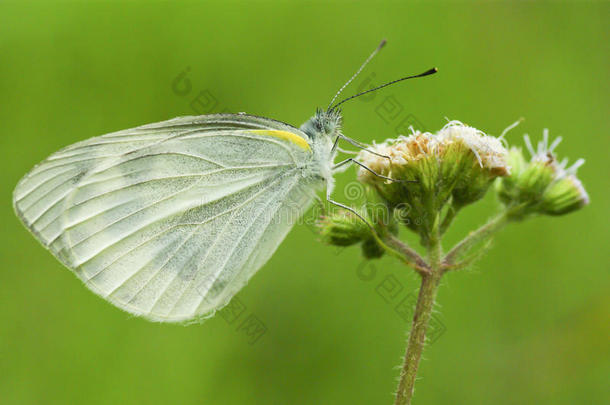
[342, 228]
[371, 249]
[564, 196]
[543, 185]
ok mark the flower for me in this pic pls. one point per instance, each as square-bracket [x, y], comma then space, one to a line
[488, 150]
[456, 164]
[464, 144]
[543, 185]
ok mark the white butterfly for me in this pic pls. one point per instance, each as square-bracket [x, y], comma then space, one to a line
[169, 220]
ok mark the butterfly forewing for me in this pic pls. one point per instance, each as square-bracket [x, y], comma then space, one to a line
[169, 220]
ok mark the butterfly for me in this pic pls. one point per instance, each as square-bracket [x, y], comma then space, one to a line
[169, 220]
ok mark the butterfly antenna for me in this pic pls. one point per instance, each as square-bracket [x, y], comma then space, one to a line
[426, 73]
[383, 42]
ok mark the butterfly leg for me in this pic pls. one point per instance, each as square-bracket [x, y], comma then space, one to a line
[352, 160]
[354, 143]
[346, 207]
[360, 145]
[347, 152]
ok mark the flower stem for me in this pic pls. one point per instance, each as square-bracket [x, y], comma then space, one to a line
[413, 258]
[423, 311]
[474, 238]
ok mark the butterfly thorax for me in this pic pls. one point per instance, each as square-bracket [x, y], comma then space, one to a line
[322, 130]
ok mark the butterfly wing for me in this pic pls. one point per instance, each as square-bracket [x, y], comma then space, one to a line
[169, 220]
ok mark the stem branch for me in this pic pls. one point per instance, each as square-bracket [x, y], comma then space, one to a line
[475, 237]
[413, 258]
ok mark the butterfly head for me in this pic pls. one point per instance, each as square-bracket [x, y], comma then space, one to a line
[324, 123]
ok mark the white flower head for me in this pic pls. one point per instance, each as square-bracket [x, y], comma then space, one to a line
[395, 153]
[489, 150]
[454, 166]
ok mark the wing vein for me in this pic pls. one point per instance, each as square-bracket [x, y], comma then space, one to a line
[139, 229]
[233, 249]
[20, 198]
[233, 210]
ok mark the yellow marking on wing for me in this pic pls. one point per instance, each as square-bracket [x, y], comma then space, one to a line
[288, 136]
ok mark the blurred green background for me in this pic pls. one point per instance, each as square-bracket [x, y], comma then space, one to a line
[529, 325]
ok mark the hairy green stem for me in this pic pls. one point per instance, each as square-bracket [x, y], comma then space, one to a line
[475, 237]
[423, 311]
[430, 280]
[392, 250]
[414, 259]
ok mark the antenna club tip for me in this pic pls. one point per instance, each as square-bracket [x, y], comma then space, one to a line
[428, 72]
[382, 43]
